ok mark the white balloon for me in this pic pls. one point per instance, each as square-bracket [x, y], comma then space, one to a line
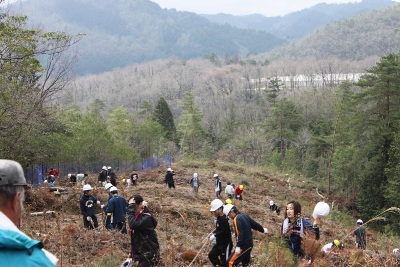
[322, 209]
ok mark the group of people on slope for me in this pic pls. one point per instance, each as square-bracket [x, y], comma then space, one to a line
[231, 191]
[222, 253]
[145, 248]
[20, 250]
[107, 175]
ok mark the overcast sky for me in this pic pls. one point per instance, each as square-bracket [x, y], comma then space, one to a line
[268, 8]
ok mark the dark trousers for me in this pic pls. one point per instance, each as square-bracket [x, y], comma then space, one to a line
[243, 257]
[171, 185]
[120, 226]
[218, 255]
[90, 225]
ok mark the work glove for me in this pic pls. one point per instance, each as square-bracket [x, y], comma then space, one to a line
[127, 262]
[212, 238]
[265, 230]
[237, 250]
[102, 205]
[89, 218]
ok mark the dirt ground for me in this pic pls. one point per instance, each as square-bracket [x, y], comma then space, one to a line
[184, 220]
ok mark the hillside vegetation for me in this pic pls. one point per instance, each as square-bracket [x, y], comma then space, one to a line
[372, 34]
[184, 220]
[297, 25]
[123, 32]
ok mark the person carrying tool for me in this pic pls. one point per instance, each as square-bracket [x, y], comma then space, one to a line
[243, 225]
[221, 236]
[116, 208]
[87, 203]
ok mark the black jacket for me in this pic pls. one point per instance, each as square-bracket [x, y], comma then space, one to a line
[223, 231]
[144, 242]
[169, 178]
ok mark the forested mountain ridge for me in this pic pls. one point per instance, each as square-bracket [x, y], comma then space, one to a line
[122, 32]
[301, 23]
[373, 34]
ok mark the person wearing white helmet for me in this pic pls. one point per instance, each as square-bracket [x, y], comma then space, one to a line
[218, 185]
[169, 178]
[243, 225]
[102, 179]
[81, 178]
[221, 236]
[116, 211]
[195, 183]
[360, 234]
[275, 208]
[111, 176]
[87, 204]
[107, 221]
[17, 249]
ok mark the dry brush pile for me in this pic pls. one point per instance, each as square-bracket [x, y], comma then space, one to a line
[185, 221]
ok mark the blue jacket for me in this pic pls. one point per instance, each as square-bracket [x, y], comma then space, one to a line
[243, 225]
[20, 250]
[87, 204]
[117, 206]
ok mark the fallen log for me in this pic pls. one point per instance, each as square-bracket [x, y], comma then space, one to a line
[41, 213]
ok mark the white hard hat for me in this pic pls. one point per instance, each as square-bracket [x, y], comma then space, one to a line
[396, 250]
[109, 167]
[227, 209]
[108, 186]
[359, 221]
[87, 187]
[69, 175]
[113, 189]
[216, 204]
[104, 168]
[322, 209]
[195, 175]
[271, 203]
[169, 170]
[215, 175]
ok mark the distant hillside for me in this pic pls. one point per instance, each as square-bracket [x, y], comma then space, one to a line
[299, 24]
[373, 34]
[123, 32]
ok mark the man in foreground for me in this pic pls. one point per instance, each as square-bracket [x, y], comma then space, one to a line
[17, 249]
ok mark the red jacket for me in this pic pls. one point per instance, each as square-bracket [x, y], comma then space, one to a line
[238, 191]
[54, 172]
